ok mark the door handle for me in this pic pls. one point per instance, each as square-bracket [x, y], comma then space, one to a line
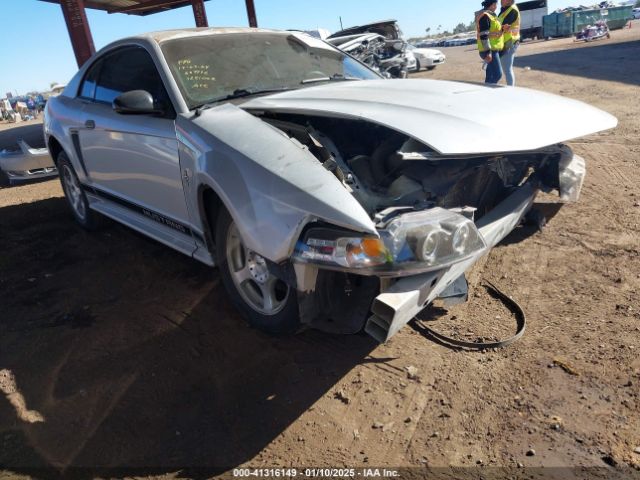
[186, 175]
[90, 124]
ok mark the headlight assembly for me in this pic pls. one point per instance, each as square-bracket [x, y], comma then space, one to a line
[416, 241]
[326, 246]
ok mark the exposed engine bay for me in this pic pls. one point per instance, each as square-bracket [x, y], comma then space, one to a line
[391, 174]
[387, 171]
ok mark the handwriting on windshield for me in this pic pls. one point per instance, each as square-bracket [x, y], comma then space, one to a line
[197, 75]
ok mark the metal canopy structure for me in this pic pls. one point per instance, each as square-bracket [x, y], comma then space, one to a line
[80, 32]
[132, 7]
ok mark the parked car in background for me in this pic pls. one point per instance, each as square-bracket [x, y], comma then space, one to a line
[372, 49]
[428, 58]
[326, 195]
[21, 162]
[635, 14]
[412, 63]
[426, 44]
[56, 90]
[387, 57]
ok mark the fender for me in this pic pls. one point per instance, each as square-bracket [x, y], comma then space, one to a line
[271, 185]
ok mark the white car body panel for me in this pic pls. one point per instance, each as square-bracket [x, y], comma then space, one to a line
[135, 160]
[412, 64]
[275, 185]
[27, 163]
[451, 117]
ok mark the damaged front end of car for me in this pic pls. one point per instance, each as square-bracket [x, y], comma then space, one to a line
[435, 215]
[372, 199]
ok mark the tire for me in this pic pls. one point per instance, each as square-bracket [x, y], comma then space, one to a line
[417, 65]
[75, 194]
[264, 301]
[431, 68]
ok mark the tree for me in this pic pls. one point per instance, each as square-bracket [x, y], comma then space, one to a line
[461, 27]
[638, 3]
[429, 28]
[52, 84]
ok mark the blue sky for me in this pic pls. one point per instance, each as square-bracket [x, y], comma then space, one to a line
[35, 49]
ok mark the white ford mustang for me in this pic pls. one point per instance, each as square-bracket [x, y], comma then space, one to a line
[327, 196]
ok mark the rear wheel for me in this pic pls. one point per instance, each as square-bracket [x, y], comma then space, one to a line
[75, 195]
[266, 302]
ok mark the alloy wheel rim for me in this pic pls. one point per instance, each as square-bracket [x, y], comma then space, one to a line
[74, 192]
[261, 290]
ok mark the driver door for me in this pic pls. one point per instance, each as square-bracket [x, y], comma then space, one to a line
[132, 160]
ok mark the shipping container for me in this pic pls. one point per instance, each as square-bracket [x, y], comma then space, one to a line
[531, 15]
[565, 24]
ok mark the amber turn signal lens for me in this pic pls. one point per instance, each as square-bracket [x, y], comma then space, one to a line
[373, 247]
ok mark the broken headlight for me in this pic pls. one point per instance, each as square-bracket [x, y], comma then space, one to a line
[412, 242]
[330, 247]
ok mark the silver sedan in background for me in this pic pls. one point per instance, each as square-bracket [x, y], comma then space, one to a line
[327, 196]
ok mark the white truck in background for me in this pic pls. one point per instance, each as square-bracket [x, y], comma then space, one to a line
[531, 14]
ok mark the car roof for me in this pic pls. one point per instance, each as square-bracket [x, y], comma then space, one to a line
[165, 35]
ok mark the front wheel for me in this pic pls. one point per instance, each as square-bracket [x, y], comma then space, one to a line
[266, 302]
[74, 193]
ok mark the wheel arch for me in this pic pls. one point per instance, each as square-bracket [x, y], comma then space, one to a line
[209, 207]
[55, 148]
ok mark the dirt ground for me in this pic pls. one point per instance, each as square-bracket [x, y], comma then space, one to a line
[123, 357]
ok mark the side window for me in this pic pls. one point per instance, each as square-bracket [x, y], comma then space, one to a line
[88, 88]
[128, 69]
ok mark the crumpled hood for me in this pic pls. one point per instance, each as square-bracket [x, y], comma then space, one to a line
[450, 117]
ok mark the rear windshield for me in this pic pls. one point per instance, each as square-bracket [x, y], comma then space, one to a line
[207, 68]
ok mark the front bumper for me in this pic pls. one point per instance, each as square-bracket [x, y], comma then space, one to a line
[27, 163]
[433, 61]
[404, 299]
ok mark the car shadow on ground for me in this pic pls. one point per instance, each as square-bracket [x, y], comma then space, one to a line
[593, 61]
[135, 360]
[541, 213]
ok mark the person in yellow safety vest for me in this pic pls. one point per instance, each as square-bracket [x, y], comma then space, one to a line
[490, 40]
[510, 19]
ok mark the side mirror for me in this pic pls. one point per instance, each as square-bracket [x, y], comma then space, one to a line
[136, 102]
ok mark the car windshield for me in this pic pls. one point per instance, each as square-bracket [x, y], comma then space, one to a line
[215, 67]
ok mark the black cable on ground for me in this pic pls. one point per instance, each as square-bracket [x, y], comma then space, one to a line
[511, 304]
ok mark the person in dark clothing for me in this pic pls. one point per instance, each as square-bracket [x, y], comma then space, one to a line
[490, 40]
